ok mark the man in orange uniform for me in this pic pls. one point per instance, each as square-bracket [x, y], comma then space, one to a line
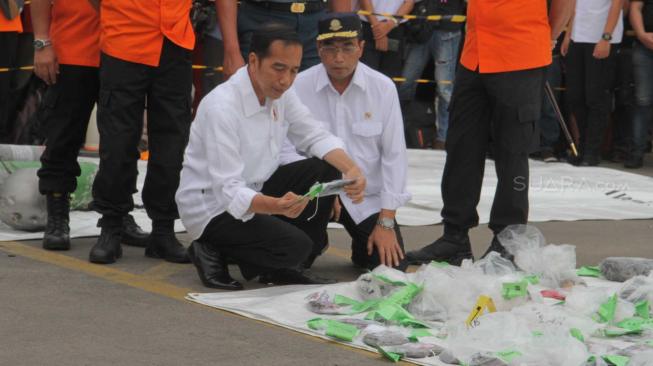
[10, 27]
[145, 60]
[67, 57]
[497, 96]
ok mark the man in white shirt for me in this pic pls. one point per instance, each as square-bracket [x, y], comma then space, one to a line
[233, 198]
[361, 106]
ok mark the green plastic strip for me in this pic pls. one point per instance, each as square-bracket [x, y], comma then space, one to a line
[509, 355]
[589, 271]
[418, 333]
[633, 324]
[576, 333]
[513, 290]
[314, 191]
[440, 264]
[616, 360]
[413, 323]
[387, 280]
[316, 323]
[405, 295]
[643, 309]
[342, 331]
[607, 310]
[394, 357]
[618, 332]
[532, 279]
[344, 300]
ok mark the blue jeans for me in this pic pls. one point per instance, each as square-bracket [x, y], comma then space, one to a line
[443, 46]
[549, 125]
[251, 17]
[643, 111]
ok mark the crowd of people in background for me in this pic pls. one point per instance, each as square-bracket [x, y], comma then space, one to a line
[603, 85]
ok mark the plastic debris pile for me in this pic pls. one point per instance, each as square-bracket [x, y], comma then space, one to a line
[540, 310]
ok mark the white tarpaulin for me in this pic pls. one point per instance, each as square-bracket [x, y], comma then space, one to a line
[558, 192]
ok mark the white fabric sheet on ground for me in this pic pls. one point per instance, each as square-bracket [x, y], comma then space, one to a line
[558, 192]
[285, 306]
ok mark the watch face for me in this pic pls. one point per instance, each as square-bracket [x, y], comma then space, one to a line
[38, 44]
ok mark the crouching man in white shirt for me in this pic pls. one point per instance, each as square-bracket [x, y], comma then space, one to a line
[233, 198]
[361, 106]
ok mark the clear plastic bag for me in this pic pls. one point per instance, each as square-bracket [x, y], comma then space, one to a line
[642, 359]
[555, 264]
[621, 269]
[426, 306]
[415, 350]
[321, 303]
[379, 283]
[495, 265]
[638, 288]
[385, 338]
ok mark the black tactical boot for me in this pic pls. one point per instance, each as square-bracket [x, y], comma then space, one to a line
[496, 246]
[132, 234]
[107, 249]
[57, 231]
[167, 247]
[452, 247]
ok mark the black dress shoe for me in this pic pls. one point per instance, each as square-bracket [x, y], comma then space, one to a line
[496, 246]
[167, 247]
[452, 249]
[57, 231]
[211, 267]
[132, 234]
[286, 276]
[107, 249]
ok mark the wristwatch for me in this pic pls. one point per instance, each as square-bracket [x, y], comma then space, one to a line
[386, 223]
[40, 44]
[606, 36]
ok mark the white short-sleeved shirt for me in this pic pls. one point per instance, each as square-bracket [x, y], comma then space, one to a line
[380, 6]
[234, 148]
[590, 19]
[367, 117]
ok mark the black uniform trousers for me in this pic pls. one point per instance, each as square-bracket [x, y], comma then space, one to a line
[589, 85]
[360, 233]
[65, 112]
[501, 107]
[265, 243]
[124, 88]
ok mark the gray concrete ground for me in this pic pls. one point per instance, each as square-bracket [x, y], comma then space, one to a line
[58, 309]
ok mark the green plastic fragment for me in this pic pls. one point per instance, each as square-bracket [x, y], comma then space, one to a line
[509, 355]
[513, 290]
[532, 279]
[607, 310]
[591, 360]
[314, 191]
[589, 271]
[576, 333]
[342, 331]
[632, 324]
[394, 357]
[537, 333]
[417, 333]
[616, 360]
[413, 323]
[649, 342]
[643, 309]
[344, 300]
[387, 280]
[618, 332]
[317, 323]
[440, 264]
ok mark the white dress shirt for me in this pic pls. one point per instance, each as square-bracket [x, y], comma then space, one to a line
[589, 21]
[367, 117]
[234, 148]
[380, 7]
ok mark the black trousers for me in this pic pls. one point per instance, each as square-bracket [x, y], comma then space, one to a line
[389, 62]
[360, 233]
[589, 84]
[66, 109]
[16, 50]
[265, 243]
[503, 108]
[124, 89]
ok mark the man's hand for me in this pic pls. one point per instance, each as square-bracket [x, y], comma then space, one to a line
[46, 66]
[233, 61]
[290, 205]
[381, 29]
[381, 44]
[564, 47]
[602, 49]
[385, 241]
[647, 40]
[356, 190]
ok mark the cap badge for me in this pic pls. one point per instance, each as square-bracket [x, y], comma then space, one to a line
[335, 25]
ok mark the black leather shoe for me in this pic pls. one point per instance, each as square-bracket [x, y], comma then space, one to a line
[57, 231]
[107, 249]
[452, 249]
[167, 247]
[286, 276]
[132, 234]
[496, 246]
[212, 267]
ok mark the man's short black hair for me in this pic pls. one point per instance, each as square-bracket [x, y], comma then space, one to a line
[270, 32]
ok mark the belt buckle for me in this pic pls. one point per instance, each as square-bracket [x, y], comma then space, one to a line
[298, 8]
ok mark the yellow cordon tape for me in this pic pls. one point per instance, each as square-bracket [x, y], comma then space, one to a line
[431, 18]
